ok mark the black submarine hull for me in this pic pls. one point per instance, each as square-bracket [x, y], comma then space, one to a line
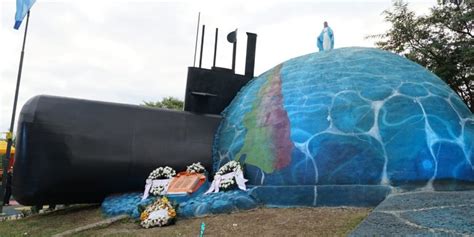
[80, 151]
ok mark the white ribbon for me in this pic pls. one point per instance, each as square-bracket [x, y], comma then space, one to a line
[160, 213]
[239, 179]
[155, 183]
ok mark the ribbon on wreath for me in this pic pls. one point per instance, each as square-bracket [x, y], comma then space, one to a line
[239, 179]
[150, 183]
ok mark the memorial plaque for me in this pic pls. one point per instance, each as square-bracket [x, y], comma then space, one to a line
[186, 183]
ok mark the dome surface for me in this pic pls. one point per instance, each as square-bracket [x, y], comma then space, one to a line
[348, 116]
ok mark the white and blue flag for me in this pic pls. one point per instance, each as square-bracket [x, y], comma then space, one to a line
[22, 8]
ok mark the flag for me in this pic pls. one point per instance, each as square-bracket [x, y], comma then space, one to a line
[22, 8]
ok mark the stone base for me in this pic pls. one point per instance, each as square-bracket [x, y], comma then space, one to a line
[216, 203]
[199, 204]
[284, 196]
[320, 195]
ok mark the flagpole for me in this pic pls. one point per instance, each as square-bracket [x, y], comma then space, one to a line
[9, 137]
[197, 34]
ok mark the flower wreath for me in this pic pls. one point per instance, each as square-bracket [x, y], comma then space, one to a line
[158, 180]
[228, 177]
[228, 183]
[162, 173]
[160, 213]
[196, 168]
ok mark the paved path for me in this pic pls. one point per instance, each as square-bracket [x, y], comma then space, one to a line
[12, 211]
[421, 214]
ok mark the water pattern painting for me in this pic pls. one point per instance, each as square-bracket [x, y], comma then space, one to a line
[348, 116]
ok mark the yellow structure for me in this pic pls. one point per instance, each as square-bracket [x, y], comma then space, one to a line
[3, 148]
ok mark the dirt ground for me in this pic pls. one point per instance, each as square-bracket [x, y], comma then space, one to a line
[258, 222]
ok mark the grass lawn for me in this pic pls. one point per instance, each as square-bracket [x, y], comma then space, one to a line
[52, 223]
[258, 222]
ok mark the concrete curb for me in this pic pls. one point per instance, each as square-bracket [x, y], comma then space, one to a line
[103, 223]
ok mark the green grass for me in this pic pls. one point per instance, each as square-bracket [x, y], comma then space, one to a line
[52, 223]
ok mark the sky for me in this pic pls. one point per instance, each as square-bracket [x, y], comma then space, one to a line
[130, 51]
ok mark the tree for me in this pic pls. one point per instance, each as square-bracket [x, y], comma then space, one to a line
[442, 41]
[166, 103]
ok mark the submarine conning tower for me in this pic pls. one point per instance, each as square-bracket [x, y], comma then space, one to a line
[210, 91]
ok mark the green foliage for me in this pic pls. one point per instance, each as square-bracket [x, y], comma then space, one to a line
[166, 103]
[442, 41]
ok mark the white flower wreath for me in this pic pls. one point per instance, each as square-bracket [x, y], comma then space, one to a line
[196, 168]
[229, 167]
[160, 213]
[158, 181]
[227, 178]
[162, 173]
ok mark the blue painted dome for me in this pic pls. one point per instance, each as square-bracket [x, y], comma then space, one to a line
[348, 116]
